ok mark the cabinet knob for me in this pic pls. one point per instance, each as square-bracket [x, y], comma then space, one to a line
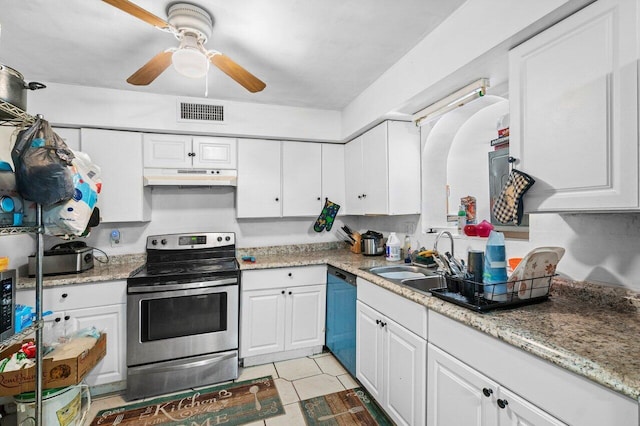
[277, 199]
[282, 291]
[290, 293]
[383, 324]
[290, 274]
[364, 195]
[502, 403]
[487, 392]
[319, 198]
[67, 318]
[359, 197]
[58, 319]
[378, 321]
[65, 295]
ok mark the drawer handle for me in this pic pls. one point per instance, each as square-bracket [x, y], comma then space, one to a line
[487, 392]
[65, 295]
[502, 403]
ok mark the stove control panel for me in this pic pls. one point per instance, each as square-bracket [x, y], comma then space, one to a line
[191, 241]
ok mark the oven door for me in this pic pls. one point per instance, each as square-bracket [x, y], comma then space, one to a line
[166, 325]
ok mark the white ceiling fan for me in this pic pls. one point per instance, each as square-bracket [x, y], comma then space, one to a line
[192, 26]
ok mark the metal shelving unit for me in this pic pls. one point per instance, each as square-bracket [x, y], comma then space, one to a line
[15, 117]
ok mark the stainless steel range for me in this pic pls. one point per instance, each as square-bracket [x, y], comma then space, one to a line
[182, 314]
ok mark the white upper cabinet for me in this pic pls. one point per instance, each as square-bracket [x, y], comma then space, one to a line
[119, 154]
[382, 170]
[574, 111]
[301, 179]
[279, 179]
[259, 171]
[180, 151]
[333, 184]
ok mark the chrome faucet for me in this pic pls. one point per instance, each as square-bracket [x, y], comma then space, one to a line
[435, 245]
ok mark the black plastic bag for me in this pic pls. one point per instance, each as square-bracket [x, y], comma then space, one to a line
[41, 160]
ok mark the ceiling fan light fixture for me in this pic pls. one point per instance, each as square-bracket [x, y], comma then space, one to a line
[190, 62]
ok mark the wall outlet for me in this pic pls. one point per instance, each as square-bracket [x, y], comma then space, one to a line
[114, 237]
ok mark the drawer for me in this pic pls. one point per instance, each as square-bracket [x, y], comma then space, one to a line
[263, 279]
[77, 296]
[410, 315]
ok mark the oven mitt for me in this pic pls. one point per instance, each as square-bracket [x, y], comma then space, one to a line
[328, 214]
[509, 207]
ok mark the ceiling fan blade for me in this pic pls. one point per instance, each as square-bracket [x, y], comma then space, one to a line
[138, 12]
[239, 74]
[151, 70]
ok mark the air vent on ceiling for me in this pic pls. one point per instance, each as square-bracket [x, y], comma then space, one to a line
[208, 113]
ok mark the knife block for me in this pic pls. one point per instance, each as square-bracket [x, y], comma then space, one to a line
[356, 247]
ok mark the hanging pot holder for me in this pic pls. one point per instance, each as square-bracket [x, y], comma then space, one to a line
[509, 207]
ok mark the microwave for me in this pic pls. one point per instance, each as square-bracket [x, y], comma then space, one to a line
[8, 307]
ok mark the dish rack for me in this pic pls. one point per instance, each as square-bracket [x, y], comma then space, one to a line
[503, 295]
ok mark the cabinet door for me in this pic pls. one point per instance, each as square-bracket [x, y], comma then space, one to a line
[172, 151]
[262, 322]
[258, 193]
[574, 115]
[214, 153]
[301, 179]
[369, 350]
[304, 317]
[404, 167]
[111, 320]
[354, 180]
[405, 364]
[520, 412]
[333, 178]
[119, 154]
[375, 163]
[458, 394]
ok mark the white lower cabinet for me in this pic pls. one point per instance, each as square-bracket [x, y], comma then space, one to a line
[101, 305]
[460, 395]
[391, 359]
[282, 313]
[475, 379]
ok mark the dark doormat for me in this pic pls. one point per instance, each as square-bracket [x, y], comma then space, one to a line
[231, 404]
[345, 408]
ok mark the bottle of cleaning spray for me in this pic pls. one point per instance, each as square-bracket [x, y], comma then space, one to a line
[407, 249]
[462, 219]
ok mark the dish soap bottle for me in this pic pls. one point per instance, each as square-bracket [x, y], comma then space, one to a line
[462, 219]
[494, 276]
[393, 248]
[407, 249]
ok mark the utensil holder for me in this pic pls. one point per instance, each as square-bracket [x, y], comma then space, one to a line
[356, 247]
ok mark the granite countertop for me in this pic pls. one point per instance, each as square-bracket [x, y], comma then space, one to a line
[587, 329]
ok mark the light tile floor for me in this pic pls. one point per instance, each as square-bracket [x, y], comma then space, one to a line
[297, 379]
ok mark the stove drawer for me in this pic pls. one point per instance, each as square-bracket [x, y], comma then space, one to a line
[262, 279]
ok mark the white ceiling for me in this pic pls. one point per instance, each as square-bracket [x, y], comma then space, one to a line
[318, 54]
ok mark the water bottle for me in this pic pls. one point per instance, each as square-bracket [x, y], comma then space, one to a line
[393, 248]
[494, 274]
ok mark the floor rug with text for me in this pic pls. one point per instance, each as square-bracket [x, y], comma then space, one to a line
[345, 408]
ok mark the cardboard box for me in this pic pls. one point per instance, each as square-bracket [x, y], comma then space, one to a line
[56, 374]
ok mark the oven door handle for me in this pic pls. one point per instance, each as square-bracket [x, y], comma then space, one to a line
[185, 286]
[172, 366]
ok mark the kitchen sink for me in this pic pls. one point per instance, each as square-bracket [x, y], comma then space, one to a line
[415, 277]
[425, 284]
